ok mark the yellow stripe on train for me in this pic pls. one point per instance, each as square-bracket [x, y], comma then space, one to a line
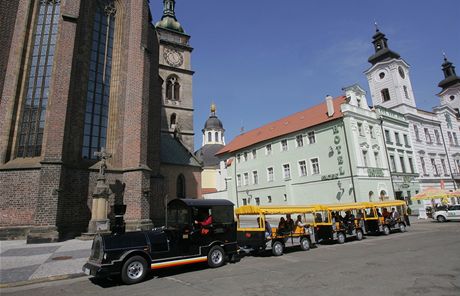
[178, 262]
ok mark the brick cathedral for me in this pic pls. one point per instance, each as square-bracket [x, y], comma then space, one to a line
[81, 76]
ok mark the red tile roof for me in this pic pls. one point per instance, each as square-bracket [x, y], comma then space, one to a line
[292, 123]
[208, 190]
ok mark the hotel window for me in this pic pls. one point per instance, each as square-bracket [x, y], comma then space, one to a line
[299, 140]
[245, 179]
[284, 145]
[238, 158]
[403, 165]
[360, 129]
[392, 163]
[311, 137]
[371, 132]
[454, 135]
[366, 162]
[286, 172]
[32, 125]
[397, 140]
[254, 154]
[434, 167]
[422, 162]
[406, 140]
[377, 161]
[387, 137]
[269, 199]
[436, 134]
[245, 156]
[238, 180]
[385, 95]
[98, 89]
[245, 201]
[257, 201]
[411, 165]
[302, 168]
[314, 166]
[268, 149]
[255, 178]
[449, 135]
[444, 168]
[270, 175]
[427, 135]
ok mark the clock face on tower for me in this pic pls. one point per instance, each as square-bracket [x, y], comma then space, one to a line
[173, 57]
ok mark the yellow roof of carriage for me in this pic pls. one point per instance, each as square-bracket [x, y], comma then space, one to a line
[388, 203]
[342, 206]
[273, 210]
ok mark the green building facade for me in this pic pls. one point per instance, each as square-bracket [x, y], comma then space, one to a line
[333, 152]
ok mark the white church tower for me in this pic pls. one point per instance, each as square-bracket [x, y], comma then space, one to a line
[450, 94]
[389, 78]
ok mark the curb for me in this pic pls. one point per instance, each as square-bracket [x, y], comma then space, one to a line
[42, 280]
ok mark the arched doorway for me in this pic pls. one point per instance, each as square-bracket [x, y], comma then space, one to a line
[180, 186]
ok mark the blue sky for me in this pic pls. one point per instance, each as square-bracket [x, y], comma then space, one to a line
[260, 60]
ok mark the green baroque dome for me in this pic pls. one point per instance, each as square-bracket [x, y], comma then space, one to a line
[170, 23]
[168, 20]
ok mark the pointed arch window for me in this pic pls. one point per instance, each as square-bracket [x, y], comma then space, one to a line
[173, 88]
[98, 91]
[173, 120]
[32, 124]
[180, 186]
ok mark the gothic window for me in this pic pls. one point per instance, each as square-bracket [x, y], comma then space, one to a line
[172, 120]
[385, 94]
[38, 80]
[172, 88]
[180, 186]
[98, 90]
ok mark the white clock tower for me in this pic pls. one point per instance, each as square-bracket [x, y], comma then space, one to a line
[389, 78]
[450, 94]
[176, 74]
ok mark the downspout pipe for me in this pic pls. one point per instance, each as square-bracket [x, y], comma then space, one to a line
[349, 161]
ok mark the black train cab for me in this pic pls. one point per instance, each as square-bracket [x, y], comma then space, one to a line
[196, 231]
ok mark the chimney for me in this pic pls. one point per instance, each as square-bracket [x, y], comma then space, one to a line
[330, 105]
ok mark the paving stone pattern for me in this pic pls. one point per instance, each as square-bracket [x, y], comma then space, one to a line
[22, 262]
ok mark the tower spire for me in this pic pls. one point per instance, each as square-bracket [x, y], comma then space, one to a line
[450, 77]
[168, 9]
[382, 51]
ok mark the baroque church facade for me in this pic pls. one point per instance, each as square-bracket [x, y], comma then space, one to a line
[434, 134]
[82, 76]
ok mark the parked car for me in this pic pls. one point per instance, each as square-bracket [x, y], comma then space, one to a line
[186, 239]
[450, 213]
